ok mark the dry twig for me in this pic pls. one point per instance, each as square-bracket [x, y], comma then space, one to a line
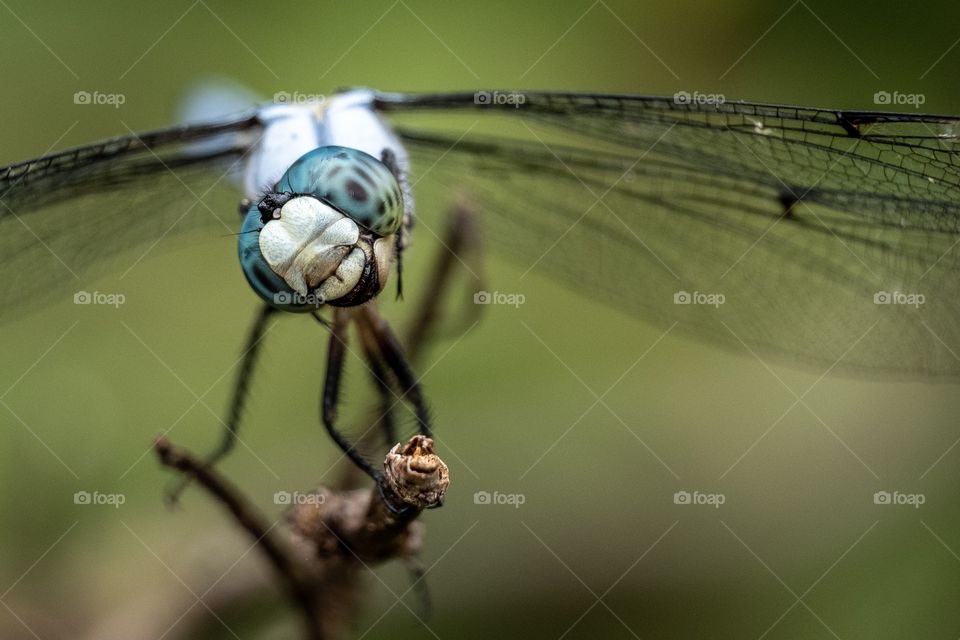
[332, 535]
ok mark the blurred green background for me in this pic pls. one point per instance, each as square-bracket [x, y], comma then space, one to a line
[798, 550]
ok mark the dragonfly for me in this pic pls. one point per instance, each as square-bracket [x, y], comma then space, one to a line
[823, 237]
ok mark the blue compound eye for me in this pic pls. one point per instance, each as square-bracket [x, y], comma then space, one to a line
[353, 182]
[265, 282]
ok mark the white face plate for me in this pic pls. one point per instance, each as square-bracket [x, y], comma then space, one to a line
[311, 245]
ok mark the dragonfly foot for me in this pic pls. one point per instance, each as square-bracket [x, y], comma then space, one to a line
[388, 497]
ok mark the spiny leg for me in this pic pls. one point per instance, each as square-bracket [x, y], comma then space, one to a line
[461, 241]
[388, 158]
[461, 244]
[381, 381]
[336, 351]
[241, 386]
[393, 356]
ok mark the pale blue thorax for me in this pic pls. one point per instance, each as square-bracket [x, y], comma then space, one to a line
[292, 130]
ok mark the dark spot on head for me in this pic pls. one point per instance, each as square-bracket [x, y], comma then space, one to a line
[363, 174]
[356, 191]
[334, 171]
[382, 208]
[343, 155]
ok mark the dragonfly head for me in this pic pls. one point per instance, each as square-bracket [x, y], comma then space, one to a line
[325, 234]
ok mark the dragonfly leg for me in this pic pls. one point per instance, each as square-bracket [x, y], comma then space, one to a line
[371, 321]
[388, 158]
[336, 351]
[241, 386]
[382, 349]
[461, 246]
[381, 382]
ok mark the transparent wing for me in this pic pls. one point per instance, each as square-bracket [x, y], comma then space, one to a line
[67, 213]
[826, 236]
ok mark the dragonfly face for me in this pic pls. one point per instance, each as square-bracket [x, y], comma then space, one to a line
[325, 234]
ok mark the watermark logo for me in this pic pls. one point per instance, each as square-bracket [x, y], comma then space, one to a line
[485, 98]
[292, 298]
[98, 297]
[896, 98]
[899, 297]
[285, 97]
[96, 98]
[896, 498]
[97, 498]
[497, 297]
[699, 498]
[699, 298]
[512, 499]
[295, 497]
[685, 97]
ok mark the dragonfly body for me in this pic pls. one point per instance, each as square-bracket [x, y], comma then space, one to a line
[828, 236]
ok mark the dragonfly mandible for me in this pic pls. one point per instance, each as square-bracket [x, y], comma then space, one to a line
[821, 235]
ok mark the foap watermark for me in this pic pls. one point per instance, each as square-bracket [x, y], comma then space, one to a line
[496, 297]
[512, 98]
[899, 297]
[285, 97]
[512, 499]
[295, 497]
[685, 97]
[297, 299]
[99, 297]
[96, 498]
[699, 498]
[895, 98]
[699, 298]
[895, 497]
[97, 98]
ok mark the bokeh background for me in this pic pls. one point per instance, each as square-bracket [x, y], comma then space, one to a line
[598, 548]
